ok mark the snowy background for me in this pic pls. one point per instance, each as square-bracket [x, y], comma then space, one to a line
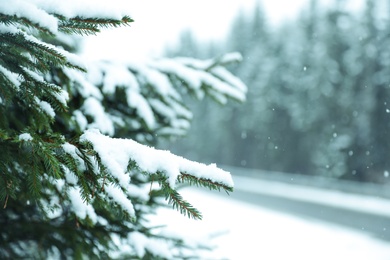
[158, 24]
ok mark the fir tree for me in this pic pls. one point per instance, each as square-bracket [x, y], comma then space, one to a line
[75, 180]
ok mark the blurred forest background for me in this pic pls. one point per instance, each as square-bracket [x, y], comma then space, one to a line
[318, 100]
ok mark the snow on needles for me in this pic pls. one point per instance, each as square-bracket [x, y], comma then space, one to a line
[41, 11]
[25, 137]
[26, 9]
[79, 206]
[116, 154]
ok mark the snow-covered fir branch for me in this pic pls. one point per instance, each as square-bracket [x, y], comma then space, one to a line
[74, 165]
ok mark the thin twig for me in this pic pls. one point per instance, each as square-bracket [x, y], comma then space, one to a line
[6, 201]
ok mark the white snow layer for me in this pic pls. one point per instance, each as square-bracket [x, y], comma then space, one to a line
[45, 107]
[116, 154]
[185, 73]
[72, 151]
[102, 121]
[30, 11]
[80, 208]
[62, 96]
[80, 119]
[144, 111]
[12, 77]
[119, 197]
[117, 75]
[158, 80]
[83, 86]
[25, 137]
[245, 231]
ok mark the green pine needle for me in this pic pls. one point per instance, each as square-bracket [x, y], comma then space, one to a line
[89, 26]
[202, 182]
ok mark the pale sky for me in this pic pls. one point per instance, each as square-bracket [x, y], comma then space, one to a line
[158, 23]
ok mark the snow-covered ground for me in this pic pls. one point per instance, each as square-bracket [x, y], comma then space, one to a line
[245, 231]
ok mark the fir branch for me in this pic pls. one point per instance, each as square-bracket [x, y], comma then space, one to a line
[9, 177]
[51, 164]
[12, 59]
[47, 56]
[3, 134]
[203, 182]
[84, 29]
[51, 93]
[103, 23]
[15, 20]
[39, 120]
[103, 171]
[74, 66]
[88, 179]
[5, 188]
[44, 56]
[33, 176]
[223, 61]
[175, 198]
[7, 90]
[89, 26]
[179, 203]
[69, 163]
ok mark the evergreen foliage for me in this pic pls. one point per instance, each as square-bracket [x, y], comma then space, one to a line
[72, 182]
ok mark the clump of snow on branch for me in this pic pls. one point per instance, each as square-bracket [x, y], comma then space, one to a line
[121, 198]
[116, 154]
[46, 107]
[12, 77]
[62, 97]
[81, 208]
[25, 137]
